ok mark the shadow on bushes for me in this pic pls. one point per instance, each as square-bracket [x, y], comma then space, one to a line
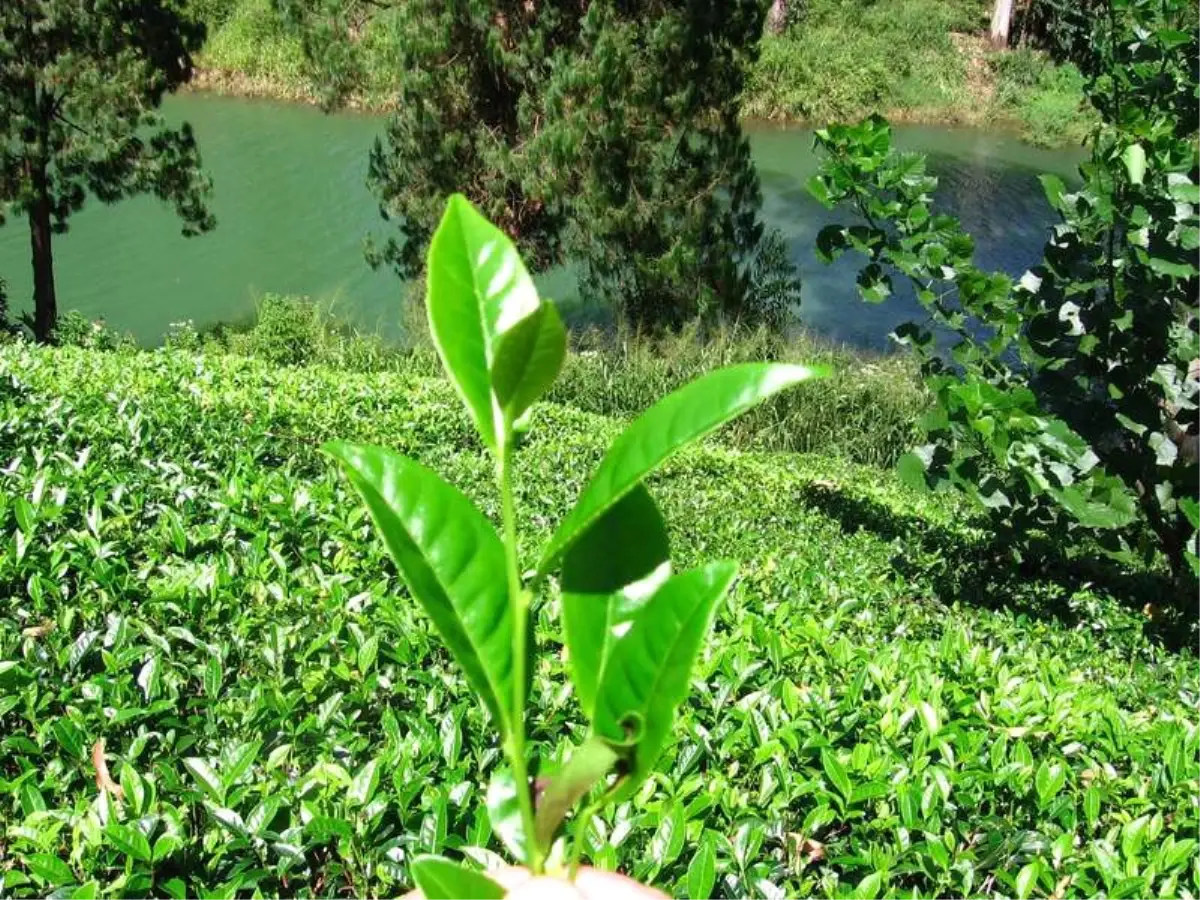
[1079, 591]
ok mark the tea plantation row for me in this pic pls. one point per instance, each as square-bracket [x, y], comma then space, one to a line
[212, 683]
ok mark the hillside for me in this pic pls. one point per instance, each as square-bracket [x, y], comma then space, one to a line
[191, 594]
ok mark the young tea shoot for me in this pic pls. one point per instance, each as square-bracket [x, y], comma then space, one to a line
[633, 626]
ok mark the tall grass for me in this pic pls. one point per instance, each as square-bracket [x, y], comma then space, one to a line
[866, 411]
[843, 60]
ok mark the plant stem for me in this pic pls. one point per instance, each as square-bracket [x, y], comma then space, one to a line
[519, 602]
[579, 838]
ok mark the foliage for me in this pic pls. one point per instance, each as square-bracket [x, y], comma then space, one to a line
[845, 60]
[74, 329]
[633, 628]
[865, 412]
[188, 579]
[80, 83]
[1073, 393]
[600, 133]
[1047, 98]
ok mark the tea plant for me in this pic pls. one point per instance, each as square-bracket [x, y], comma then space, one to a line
[633, 628]
[185, 577]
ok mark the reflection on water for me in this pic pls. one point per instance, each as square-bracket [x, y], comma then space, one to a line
[292, 211]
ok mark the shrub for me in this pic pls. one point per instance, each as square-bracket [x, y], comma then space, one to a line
[1103, 331]
[189, 581]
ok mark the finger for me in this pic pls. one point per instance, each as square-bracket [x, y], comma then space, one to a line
[595, 884]
[545, 888]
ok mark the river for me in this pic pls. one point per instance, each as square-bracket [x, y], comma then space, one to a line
[292, 211]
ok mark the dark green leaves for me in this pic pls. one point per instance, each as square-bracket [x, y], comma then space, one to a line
[451, 560]
[440, 879]
[673, 422]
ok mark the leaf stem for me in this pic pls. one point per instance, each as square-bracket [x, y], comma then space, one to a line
[582, 823]
[519, 600]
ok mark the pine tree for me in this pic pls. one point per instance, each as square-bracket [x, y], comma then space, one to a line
[80, 85]
[606, 134]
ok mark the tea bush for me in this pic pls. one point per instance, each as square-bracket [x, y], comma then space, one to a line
[190, 594]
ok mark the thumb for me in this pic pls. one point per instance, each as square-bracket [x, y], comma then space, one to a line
[545, 888]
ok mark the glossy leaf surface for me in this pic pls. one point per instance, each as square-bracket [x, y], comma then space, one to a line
[504, 812]
[606, 577]
[528, 358]
[440, 879]
[450, 557]
[478, 288]
[648, 667]
[675, 421]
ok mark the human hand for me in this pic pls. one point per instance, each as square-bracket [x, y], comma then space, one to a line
[589, 884]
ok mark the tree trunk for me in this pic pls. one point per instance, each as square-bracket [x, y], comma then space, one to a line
[45, 303]
[1001, 18]
[777, 16]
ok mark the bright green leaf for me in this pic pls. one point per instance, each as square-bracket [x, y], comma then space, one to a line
[478, 288]
[588, 764]
[440, 879]
[528, 359]
[673, 422]
[451, 559]
[650, 664]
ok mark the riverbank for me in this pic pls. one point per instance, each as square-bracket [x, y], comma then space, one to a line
[916, 61]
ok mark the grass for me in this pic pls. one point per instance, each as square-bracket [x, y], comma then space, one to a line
[840, 60]
[866, 413]
[184, 578]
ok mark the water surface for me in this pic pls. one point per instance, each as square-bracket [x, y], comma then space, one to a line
[292, 211]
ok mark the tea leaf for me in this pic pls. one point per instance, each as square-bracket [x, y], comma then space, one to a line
[670, 424]
[451, 559]
[478, 288]
[528, 359]
[649, 665]
[589, 763]
[607, 576]
[440, 879]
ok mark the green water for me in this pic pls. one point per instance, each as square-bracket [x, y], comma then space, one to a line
[292, 211]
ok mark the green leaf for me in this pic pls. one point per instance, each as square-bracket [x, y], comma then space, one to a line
[649, 666]
[364, 785]
[836, 773]
[50, 868]
[208, 781]
[129, 841]
[451, 559]
[1048, 781]
[606, 577]
[702, 871]
[1134, 158]
[668, 839]
[528, 358]
[589, 763]
[869, 887]
[911, 469]
[1027, 879]
[673, 422]
[440, 879]
[504, 812]
[478, 288]
[1054, 188]
[1091, 806]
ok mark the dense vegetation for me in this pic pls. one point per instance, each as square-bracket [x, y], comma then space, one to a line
[188, 581]
[924, 60]
[1065, 403]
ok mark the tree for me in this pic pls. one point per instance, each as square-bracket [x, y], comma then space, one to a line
[80, 85]
[1001, 19]
[604, 133]
[1070, 403]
